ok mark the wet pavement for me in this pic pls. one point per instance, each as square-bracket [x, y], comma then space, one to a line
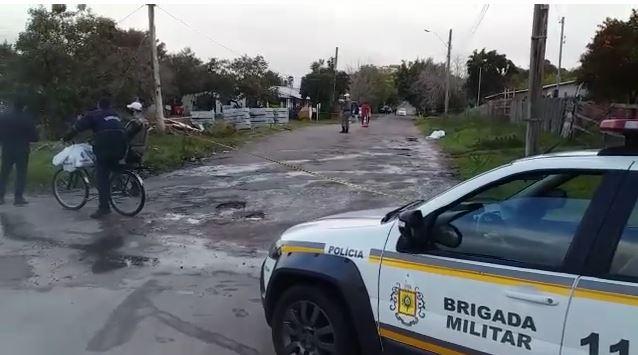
[182, 277]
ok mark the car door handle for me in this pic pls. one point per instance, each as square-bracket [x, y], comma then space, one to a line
[531, 297]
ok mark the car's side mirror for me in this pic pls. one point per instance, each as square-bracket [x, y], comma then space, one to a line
[557, 198]
[412, 227]
[447, 235]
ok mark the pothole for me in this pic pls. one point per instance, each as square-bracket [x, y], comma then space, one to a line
[231, 205]
[255, 216]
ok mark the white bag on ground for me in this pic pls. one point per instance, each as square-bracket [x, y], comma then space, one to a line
[437, 135]
[75, 156]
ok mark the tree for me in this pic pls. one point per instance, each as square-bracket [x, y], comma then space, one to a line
[495, 69]
[609, 67]
[406, 75]
[428, 90]
[373, 85]
[182, 73]
[68, 59]
[318, 83]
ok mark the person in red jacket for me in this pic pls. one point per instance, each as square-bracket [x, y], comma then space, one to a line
[366, 113]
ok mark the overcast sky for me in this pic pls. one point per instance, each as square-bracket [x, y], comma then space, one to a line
[290, 34]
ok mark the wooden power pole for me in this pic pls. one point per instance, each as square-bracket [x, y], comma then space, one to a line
[159, 105]
[334, 78]
[560, 55]
[536, 61]
[447, 75]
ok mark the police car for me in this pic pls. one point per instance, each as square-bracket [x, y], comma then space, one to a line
[539, 256]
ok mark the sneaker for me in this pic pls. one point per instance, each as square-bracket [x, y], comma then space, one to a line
[20, 202]
[100, 213]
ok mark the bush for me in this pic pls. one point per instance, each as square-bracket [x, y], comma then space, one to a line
[220, 129]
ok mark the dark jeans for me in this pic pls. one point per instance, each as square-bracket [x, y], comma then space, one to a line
[103, 177]
[18, 156]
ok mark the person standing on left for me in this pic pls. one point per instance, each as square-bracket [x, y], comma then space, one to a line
[17, 132]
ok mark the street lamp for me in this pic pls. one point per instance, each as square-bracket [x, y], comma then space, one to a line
[478, 94]
[447, 76]
[437, 36]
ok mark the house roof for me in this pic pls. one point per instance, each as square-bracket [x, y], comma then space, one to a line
[286, 92]
[548, 86]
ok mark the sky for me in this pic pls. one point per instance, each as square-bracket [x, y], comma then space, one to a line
[291, 34]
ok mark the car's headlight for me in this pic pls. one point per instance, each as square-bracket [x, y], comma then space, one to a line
[274, 251]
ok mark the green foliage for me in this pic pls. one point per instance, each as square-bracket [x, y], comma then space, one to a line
[609, 67]
[373, 85]
[499, 142]
[495, 69]
[477, 144]
[422, 84]
[318, 83]
[67, 58]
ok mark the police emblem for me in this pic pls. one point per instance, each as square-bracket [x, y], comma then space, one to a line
[407, 303]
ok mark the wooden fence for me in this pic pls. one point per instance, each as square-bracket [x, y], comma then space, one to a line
[552, 111]
[568, 117]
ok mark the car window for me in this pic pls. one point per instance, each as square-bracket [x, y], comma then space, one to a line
[625, 261]
[530, 219]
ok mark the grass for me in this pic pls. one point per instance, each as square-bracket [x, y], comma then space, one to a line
[165, 151]
[477, 144]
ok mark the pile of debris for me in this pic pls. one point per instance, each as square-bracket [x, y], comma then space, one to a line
[183, 124]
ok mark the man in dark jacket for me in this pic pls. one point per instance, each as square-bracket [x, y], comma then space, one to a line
[17, 131]
[109, 147]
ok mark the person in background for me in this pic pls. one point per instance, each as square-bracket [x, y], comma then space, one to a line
[109, 146]
[345, 115]
[17, 132]
[137, 133]
[366, 113]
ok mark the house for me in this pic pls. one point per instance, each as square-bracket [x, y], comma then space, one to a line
[289, 97]
[570, 88]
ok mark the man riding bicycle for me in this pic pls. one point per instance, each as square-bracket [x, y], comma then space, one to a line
[109, 146]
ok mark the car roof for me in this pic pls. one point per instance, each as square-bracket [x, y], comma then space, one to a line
[582, 156]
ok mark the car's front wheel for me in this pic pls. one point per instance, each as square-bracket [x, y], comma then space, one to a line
[308, 322]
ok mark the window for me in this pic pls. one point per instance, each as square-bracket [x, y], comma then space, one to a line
[625, 261]
[530, 219]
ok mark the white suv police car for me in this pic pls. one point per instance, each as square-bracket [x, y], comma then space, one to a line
[539, 256]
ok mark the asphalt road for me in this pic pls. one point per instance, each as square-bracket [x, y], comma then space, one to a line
[182, 277]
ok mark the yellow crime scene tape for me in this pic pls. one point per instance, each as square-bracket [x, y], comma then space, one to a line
[304, 170]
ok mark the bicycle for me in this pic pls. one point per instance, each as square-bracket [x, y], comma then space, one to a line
[72, 189]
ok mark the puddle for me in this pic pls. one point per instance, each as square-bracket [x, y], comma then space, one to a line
[108, 263]
[255, 216]
[231, 205]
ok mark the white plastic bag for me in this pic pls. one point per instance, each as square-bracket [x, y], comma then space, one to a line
[437, 135]
[75, 156]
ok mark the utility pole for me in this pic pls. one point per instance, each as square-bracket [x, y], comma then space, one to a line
[537, 58]
[334, 79]
[159, 105]
[560, 55]
[447, 76]
[478, 95]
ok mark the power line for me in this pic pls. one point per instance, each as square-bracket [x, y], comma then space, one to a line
[214, 41]
[200, 32]
[481, 17]
[129, 15]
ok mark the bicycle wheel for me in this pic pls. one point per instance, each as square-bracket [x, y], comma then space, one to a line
[128, 195]
[71, 189]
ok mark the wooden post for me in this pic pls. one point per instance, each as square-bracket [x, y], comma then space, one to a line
[159, 105]
[447, 74]
[334, 79]
[560, 56]
[537, 57]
